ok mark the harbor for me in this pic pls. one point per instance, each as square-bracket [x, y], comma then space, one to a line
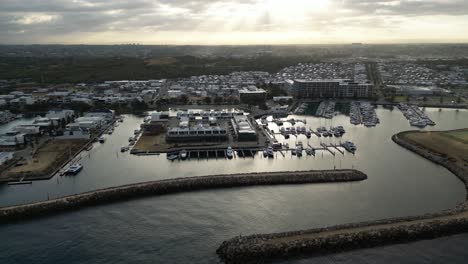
[320, 205]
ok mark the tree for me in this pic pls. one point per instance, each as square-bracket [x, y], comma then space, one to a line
[207, 100]
[139, 106]
[183, 99]
[218, 100]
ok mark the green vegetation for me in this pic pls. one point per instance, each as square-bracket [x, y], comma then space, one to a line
[75, 70]
[459, 135]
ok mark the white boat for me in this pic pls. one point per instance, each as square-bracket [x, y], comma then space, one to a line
[137, 131]
[74, 169]
[124, 149]
[229, 153]
[183, 154]
[102, 139]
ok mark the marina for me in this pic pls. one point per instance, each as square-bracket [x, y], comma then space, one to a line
[415, 115]
[326, 109]
[363, 113]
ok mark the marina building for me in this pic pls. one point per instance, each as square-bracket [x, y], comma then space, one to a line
[331, 89]
[196, 133]
[243, 128]
[156, 124]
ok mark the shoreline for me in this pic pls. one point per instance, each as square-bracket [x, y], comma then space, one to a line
[170, 186]
[352, 236]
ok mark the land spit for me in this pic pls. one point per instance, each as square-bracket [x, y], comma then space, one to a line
[264, 247]
[169, 186]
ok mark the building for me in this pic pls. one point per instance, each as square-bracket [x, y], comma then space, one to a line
[282, 99]
[243, 128]
[331, 89]
[252, 94]
[75, 133]
[5, 157]
[196, 133]
[12, 140]
[156, 124]
[107, 114]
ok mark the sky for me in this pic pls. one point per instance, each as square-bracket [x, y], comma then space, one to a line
[214, 22]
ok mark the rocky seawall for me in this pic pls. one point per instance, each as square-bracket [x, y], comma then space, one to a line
[108, 195]
[262, 247]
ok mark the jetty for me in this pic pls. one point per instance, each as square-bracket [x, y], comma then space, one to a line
[265, 247]
[170, 186]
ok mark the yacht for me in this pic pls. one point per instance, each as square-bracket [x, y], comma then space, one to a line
[137, 131]
[310, 151]
[183, 154]
[102, 139]
[270, 152]
[299, 151]
[308, 134]
[74, 169]
[349, 146]
[337, 133]
[229, 153]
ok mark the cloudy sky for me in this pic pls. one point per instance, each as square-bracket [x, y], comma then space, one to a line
[232, 22]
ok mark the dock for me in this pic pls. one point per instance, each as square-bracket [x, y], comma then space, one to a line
[324, 146]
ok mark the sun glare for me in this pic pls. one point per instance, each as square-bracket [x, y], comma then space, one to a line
[292, 7]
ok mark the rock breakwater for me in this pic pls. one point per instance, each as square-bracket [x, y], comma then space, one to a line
[162, 187]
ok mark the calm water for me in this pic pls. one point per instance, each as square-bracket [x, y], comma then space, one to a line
[189, 227]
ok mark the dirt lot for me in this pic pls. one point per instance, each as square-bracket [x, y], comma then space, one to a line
[46, 160]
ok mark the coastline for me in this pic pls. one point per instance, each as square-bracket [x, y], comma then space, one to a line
[154, 188]
[354, 236]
